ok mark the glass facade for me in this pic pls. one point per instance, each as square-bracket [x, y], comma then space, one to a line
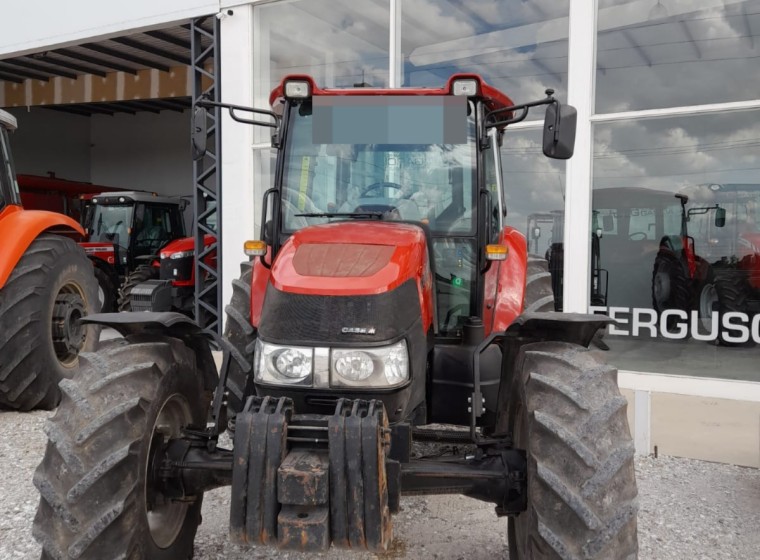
[670, 53]
[519, 47]
[676, 189]
[674, 234]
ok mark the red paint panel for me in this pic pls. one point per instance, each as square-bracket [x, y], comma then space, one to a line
[259, 282]
[341, 260]
[407, 260]
[102, 251]
[510, 292]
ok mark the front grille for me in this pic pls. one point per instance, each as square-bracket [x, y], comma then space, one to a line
[183, 266]
[311, 319]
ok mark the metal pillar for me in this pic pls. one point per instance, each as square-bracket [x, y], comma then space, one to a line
[207, 176]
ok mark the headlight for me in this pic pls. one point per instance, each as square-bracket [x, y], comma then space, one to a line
[370, 367]
[175, 256]
[283, 364]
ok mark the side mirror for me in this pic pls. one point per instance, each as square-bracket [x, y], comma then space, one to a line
[536, 232]
[559, 131]
[199, 132]
[720, 217]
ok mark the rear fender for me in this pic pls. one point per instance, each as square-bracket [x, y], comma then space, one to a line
[19, 228]
[175, 325]
[510, 290]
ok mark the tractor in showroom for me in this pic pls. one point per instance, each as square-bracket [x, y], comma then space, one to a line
[386, 303]
[721, 273]
[126, 231]
[46, 287]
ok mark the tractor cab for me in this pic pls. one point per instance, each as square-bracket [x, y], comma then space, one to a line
[425, 157]
[134, 225]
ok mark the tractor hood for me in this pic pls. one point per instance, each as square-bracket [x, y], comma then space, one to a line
[184, 244]
[351, 258]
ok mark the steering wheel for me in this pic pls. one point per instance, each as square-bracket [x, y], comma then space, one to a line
[378, 185]
[638, 236]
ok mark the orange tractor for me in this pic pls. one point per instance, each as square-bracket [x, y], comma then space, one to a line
[385, 303]
[46, 287]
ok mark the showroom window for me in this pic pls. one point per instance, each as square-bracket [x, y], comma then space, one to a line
[517, 46]
[676, 185]
[670, 53]
[340, 43]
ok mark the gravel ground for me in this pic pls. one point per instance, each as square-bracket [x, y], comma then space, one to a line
[688, 510]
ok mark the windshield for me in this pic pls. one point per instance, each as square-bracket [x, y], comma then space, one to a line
[423, 181]
[111, 223]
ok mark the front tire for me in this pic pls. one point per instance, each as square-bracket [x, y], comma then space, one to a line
[539, 295]
[670, 285]
[93, 481]
[733, 291]
[569, 417]
[241, 334]
[49, 290]
[106, 290]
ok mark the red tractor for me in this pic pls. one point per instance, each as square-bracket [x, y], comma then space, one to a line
[46, 288]
[125, 233]
[169, 285]
[384, 296]
[721, 273]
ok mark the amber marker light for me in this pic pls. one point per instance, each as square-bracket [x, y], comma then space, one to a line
[496, 252]
[255, 248]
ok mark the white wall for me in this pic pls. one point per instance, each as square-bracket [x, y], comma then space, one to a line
[49, 141]
[33, 25]
[145, 151]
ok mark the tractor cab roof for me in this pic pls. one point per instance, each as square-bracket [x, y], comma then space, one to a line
[127, 197]
[492, 97]
[7, 120]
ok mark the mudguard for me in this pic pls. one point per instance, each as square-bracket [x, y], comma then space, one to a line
[576, 328]
[171, 324]
[19, 228]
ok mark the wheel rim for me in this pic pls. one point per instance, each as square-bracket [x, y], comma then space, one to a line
[68, 333]
[661, 287]
[101, 296]
[166, 517]
[707, 298]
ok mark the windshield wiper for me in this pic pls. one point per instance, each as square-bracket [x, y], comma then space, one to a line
[369, 215]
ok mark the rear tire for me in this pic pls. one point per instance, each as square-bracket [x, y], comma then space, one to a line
[241, 334]
[569, 417]
[51, 287]
[139, 275]
[93, 480]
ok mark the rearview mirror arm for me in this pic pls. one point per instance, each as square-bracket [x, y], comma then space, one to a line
[203, 102]
[525, 108]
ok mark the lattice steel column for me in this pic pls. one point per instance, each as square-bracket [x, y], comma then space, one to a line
[207, 176]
